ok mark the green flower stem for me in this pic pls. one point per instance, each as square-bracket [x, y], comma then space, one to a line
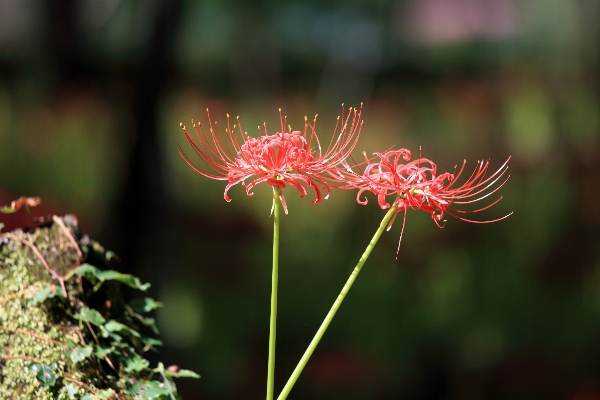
[336, 305]
[274, 277]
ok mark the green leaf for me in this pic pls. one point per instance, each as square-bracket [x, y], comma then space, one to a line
[144, 305]
[127, 279]
[88, 271]
[182, 373]
[46, 293]
[94, 274]
[90, 315]
[105, 333]
[114, 326]
[148, 390]
[79, 353]
[150, 343]
[44, 374]
[102, 352]
[150, 322]
[136, 363]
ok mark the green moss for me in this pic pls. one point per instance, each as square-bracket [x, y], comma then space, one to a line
[21, 270]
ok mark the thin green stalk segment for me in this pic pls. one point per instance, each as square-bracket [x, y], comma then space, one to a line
[336, 305]
[274, 278]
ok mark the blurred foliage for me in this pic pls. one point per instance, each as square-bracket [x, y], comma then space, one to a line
[91, 95]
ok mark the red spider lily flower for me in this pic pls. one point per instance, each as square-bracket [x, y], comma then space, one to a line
[416, 185]
[286, 157]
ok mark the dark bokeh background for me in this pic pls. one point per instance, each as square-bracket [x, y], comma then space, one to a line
[91, 96]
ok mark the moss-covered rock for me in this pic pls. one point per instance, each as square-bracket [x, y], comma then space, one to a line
[88, 344]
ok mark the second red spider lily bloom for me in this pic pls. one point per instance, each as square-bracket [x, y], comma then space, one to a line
[416, 185]
[286, 157]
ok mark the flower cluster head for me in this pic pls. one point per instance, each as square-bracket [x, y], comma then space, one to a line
[416, 185]
[286, 157]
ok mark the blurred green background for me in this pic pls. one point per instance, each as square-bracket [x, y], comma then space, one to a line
[91, 96]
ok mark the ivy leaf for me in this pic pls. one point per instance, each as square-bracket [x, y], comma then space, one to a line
[79, 353]
[90, 315]
[150, 343]
[46, 293]
[127, 279]
[150, 322]
[44, 374]
[102, 352]
[114, 326]
[94, 274]
[105, 333]
[181, 373]
[148, 390]
[136, 363]
[144, 305]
